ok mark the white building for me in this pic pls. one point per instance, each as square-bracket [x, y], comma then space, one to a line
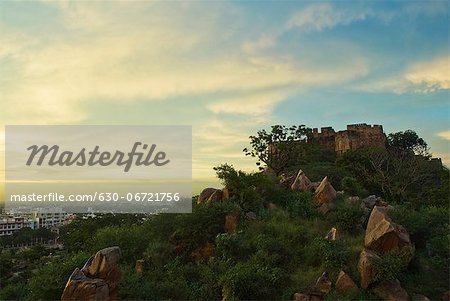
[40, 218]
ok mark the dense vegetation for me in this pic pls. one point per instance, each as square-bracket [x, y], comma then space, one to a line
[280, 252]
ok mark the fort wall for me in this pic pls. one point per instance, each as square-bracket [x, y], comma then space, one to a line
[356, 136]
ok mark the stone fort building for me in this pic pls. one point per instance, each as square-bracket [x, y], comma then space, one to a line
[354, 137]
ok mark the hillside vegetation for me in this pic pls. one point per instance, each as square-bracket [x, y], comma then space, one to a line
[265, 241]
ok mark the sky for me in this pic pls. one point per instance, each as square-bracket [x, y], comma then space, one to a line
[228, 68]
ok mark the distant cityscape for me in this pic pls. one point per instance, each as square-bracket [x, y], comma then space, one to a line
[12, 221]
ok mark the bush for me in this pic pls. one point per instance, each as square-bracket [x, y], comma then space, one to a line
[351, 186]
[132, 241]
[332, 255]
[49, 283]
[346, 216]
[392, 264]
[300, 204]
[250, 281]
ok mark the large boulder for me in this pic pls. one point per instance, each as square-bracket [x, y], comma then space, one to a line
[287, 180]
[325, 193]
[81, 287]
[324, 283]
[365, 267]
[345, 283]
[98, 280]
[391, 291]
[382, 234]
[301, 182]
[212, 195]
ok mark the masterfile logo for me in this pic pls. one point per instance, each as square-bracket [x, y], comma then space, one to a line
[96, 157]
[99, 168]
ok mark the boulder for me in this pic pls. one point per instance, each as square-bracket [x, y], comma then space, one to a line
[313, 186]
[382, 234]
[324, 284]
[331, 235]
[216, 196]
[391, 291]
[98, 280]
[212, 195]
[345, 283]
[231, 222]
[369, 201]
[104, 265]
[354, 200]
[251, 215]
[299, 297]
[365, 267]
[287, 180]
[139, 266]
[205, 195]
[80, 287]
[271, 206]
[301, 182]
[326, 207]
[325, 193]
[226, 193]
[315, 297]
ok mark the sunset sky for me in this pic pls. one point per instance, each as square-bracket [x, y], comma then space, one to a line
[228, 68]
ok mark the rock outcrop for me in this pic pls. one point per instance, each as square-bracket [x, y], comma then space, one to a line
[231, 223]
[331, 235]
[365, 267]
[391, 291]
[345, 283]
[325, 193]
[98, 280]
[301, 182]
[251, 215]
[382, 234]
[139, 266]
[213, 195]
[324, 283]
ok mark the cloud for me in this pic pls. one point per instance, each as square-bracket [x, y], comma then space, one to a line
[421, 77]
[128, 52]
[318, 17]
[265, 41]
[444, 135]
[255, 104]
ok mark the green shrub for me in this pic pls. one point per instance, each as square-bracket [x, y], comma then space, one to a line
[132, 241]
[346, 216]
[250, 281]
[333, 254]
[300, 204]
[351, 186]
[248, 188]
[134, 286]
[231, 247]
[49, 283]
[391, 265]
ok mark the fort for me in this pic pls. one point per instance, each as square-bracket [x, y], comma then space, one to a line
[356, 136]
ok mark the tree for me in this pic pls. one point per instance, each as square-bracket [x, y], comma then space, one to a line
[408, 141]
[396, 175]
[279, 147]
